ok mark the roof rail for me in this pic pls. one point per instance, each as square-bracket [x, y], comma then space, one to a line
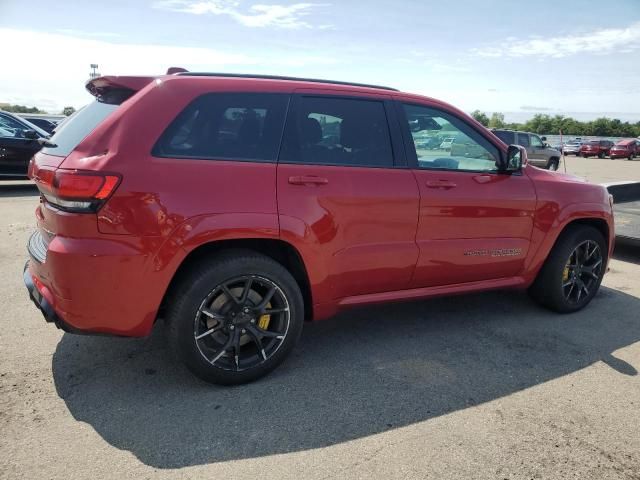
[278, 77]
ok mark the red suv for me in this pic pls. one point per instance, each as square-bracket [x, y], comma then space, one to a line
[628, 148]
[236, 207]
[599, 148]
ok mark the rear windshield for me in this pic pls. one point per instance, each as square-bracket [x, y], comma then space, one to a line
[594, 142]
[73, 130]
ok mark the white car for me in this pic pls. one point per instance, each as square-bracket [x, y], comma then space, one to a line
[446, 143]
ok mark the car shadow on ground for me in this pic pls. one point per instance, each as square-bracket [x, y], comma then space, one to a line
[358, 374]
[18, 189]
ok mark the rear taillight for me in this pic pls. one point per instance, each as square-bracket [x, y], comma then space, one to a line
[74, 190]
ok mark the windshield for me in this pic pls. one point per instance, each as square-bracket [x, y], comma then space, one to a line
[75, 128]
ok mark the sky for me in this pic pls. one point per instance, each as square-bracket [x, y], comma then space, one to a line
[576, 57]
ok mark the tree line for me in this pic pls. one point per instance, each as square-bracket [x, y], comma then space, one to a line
[551, 125]
[24, 109]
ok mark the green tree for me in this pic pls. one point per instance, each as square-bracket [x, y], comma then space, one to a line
[496, 120]
[480, 117]
[20, 109]
[68, 111]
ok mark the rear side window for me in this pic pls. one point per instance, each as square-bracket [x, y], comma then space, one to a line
[523, 140]
[506, 137]
[75, 128]
[337, 131]
[236, 126]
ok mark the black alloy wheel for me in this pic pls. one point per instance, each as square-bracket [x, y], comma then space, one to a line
[242, 323]
[582, 271]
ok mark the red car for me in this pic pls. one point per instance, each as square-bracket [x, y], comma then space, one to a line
[237, 207]
[625, 149]
[593, 148]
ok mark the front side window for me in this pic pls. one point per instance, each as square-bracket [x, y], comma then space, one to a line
[536, 142]
[523, 140]
[235, 126]
[11, 128]
[443, 141]
[337, 131]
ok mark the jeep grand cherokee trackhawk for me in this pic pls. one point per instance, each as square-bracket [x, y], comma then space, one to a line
[236, 207]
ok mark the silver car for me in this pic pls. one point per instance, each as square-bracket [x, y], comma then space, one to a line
[540, 154]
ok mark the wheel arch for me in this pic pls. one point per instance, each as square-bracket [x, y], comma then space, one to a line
[598, 223]
[280, 251]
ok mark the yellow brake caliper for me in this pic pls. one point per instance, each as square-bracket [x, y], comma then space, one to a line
[565, 272]
[263, 321]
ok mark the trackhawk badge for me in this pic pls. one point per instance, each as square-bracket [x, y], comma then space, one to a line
[499, 252]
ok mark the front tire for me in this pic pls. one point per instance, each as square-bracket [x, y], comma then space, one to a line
[235, 318]
[601, 155]
[573, 271]
[553, 164]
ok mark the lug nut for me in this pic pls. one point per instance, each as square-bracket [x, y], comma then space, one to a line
[244, 331]
[253, 320]
[246, 310]
[231, 327]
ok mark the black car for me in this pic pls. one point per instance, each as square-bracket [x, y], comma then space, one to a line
[47, 125]
[18, 143]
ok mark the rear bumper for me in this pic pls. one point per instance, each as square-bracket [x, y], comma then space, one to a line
[93, 286]
[40, 301]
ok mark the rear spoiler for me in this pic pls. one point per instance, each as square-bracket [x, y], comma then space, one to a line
[101, 85]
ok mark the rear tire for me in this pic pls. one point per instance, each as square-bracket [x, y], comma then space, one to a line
[557, 282]
[601, 155]
[215, 317]
[553, 164]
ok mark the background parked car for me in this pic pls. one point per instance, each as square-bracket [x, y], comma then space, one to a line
[47, 125]
[627, 148]
[446, 144]
[599, 148]
[540, 154]
[572, 147]
[18, 143]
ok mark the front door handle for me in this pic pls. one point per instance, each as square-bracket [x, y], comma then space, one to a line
[445, 184]
[308, 180]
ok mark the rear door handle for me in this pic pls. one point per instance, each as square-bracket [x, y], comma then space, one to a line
[445, 184]
[308, 180]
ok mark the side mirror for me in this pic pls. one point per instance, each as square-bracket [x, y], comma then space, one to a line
[31, 134]
[544, 139]
[516, 157]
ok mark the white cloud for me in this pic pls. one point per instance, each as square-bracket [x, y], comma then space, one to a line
[608, 40]
[258, 15]
[57, 79]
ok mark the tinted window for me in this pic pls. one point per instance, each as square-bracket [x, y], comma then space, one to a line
[443, 141]
[242, 126]
[74, 129]
[338, 131]
[523, 140]
[506, 137]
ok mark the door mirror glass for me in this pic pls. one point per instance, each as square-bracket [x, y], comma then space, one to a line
[515, 158]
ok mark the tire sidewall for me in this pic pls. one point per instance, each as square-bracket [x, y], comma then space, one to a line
[181, 323]
[553, 269]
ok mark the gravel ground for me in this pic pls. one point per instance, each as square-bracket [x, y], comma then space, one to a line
[483, 386]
